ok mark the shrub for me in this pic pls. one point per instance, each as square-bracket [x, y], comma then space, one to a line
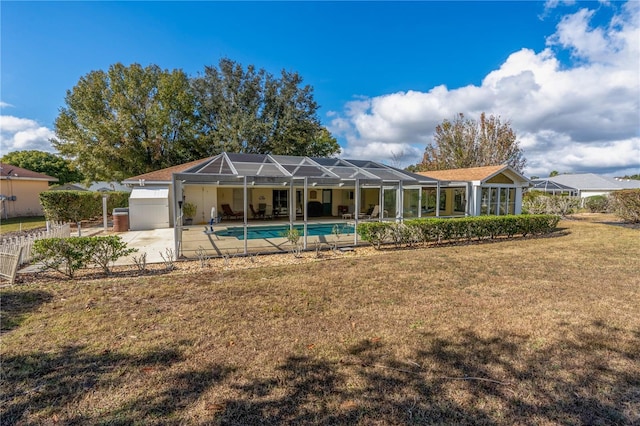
[105, 250]
[537, 202]
[68, 255]
[75, 206]
[65, 255]
[597, 204]
[626, 204]
[437, 230]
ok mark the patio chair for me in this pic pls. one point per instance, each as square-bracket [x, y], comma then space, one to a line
[262, 210]
[375, 213]
[257, 214]
[229, 213]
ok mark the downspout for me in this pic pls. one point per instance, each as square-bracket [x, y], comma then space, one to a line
[420, 202]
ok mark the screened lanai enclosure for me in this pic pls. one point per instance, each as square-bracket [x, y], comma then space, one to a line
[238, 194]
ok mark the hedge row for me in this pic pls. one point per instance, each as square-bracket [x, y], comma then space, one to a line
[74, 206]
[67, 255]
[436, 230]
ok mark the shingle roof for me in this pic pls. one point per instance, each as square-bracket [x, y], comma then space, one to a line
[465, 175]
[164, 175]
[15, 172]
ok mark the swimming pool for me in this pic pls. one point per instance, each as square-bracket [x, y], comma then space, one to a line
[280, 231]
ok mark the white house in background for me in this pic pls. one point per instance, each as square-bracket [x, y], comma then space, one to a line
[590, 184]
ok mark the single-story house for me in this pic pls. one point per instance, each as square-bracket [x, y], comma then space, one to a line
[587, 185]
[286, 186]
[20, 191]
[300, 187]
[475, 191]
[67, 187]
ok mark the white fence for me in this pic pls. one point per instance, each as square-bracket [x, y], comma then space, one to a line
[12, 245]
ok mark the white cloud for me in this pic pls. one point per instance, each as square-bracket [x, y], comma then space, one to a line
[19, 134]
[5, 105]
[582, 117]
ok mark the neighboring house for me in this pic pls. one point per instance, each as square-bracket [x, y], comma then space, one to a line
[475, 191]
[107, 186]
[20, 191]
[590, 184]
[67, 187]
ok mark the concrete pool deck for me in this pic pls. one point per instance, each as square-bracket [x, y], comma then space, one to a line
[199, 237]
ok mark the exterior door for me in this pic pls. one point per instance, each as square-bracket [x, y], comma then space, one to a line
[326, 202]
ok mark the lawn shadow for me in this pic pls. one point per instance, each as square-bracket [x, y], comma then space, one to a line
[45, 382]
[467, 380]
[15, 305]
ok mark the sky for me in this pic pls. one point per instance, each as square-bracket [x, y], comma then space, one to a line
[564, 74]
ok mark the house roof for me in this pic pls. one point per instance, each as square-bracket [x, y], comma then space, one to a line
[280, 168]
[164, 175]
[594, 182]
[471, 174]
[67, 187]
[7, 171]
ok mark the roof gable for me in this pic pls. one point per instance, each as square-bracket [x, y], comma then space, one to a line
[491, 174]
[8, 171]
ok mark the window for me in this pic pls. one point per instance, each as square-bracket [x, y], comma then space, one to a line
[498, 201]
[459, 200]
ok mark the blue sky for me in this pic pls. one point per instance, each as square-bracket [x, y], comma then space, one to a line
[385, 73]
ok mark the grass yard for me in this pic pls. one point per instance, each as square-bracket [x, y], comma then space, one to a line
[530, 331]
[16, 224]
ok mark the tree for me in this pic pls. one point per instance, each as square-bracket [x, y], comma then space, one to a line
[251, 111]
[132, 120]
[553, 173]
[465, 143]
[127, 121]
[44, 162]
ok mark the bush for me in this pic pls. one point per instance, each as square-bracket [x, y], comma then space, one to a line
[105, 250]
[65, 255]
[597, 204]
[626, 204]
[436, 230]
[68, 255]
[74, 206]
[538, 202]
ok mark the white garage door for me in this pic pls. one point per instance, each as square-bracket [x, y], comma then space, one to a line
[148, 208]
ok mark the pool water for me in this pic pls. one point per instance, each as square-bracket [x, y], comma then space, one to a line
[280, 231]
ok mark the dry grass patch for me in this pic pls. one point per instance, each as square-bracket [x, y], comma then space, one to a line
[532, 331]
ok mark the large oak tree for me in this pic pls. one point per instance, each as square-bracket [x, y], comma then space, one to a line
[132, 120]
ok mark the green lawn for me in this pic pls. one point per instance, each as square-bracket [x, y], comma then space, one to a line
[21, 224]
